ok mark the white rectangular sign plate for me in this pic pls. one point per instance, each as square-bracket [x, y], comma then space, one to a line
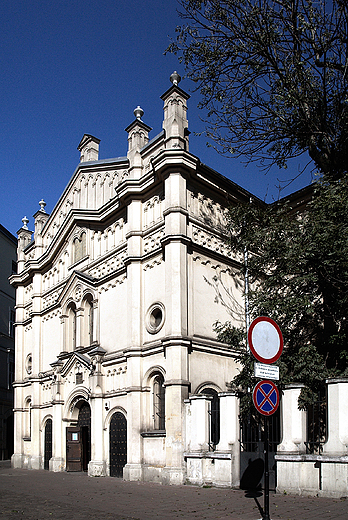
[264, 371]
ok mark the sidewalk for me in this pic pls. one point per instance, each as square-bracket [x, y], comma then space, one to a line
[41, 495]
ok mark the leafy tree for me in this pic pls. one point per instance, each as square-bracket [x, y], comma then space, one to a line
[298, 271]
[273, 77]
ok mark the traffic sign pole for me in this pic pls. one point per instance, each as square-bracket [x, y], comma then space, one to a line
[266, 344]
[266, 448]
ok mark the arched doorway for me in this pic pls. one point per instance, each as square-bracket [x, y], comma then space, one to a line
[118, 444]
[48, 443]
[78, 440]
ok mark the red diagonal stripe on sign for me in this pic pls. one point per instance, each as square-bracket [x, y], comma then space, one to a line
[266, 397]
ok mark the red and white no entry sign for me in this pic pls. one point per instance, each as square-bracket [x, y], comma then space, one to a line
[265, 340]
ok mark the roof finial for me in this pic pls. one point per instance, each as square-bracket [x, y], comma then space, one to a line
[42, 205]
[138, 112]
[175, 78]
[25, 221]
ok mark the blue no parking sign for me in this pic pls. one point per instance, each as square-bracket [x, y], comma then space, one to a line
[266, 397]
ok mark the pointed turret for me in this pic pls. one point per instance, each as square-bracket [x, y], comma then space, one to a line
[175, 123]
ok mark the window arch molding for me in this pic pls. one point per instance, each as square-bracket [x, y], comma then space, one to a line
[44, 421]
[207, 384]
[109, 415]
[149, 374]
[74, 402]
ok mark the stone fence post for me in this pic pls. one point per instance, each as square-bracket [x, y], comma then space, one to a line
[198, 436]
[337, 417]
[293, 422]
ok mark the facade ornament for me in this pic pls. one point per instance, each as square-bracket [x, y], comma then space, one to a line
[138, 112]
[42, 205]
[175, 78]
[25, 221]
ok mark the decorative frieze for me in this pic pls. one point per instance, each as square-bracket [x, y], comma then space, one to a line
[28, 292]
[114, 283]
[51, 315]
[152, 211]
[153, 263]
[210, 241]
[109, 266]
[28, 311]
[211, 212]
[153, 241]
[115, 378]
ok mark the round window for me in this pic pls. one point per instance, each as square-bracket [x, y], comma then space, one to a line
[155, 318]
[29, 364]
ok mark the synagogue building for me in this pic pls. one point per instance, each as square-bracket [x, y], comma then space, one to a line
[118, 370]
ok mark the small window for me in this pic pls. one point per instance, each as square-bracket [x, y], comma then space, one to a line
[79, 246]
[14, 267]
[89, 317]
[72, 341]
[11, 322]
[155, 318]
[29, 364]
[159, 404]
[214, 413]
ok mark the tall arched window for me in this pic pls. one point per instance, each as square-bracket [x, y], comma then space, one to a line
[27, 430]
[88, 320]
[214, 412]
[159, 403]
[72, 326]
[79, 246]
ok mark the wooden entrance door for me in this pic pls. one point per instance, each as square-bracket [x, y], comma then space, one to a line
[73, 448]
[118, 444]
[48, 443]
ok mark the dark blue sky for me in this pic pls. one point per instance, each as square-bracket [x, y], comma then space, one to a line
[71, 67]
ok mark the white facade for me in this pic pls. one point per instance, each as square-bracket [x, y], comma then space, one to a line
[116, 300]
[117, 363]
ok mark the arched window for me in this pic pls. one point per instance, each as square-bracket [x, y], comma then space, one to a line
[214, 412]
[159, 403]
[79, 246]
[88, 320]
[72, 326]
[27, 434]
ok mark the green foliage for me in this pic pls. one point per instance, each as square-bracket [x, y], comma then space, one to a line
[272, 76]
[298, 271]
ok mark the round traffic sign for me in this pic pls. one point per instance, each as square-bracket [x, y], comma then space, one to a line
[265, 340]
[266, 397]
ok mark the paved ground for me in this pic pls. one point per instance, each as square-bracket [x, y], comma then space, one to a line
[43, 495]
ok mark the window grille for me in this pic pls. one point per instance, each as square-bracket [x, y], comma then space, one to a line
[159, 403]
[214, 418]
[317, 423]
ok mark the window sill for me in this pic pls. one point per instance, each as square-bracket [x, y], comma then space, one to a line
[154, 433]
[26, 438]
